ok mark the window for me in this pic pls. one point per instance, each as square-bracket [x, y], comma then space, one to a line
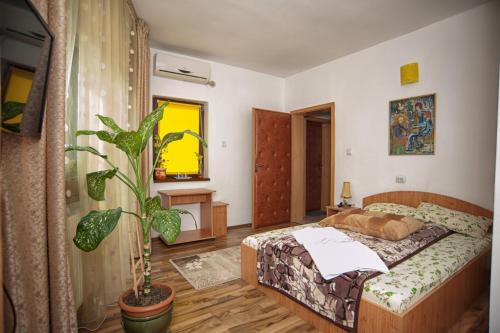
[184, 159]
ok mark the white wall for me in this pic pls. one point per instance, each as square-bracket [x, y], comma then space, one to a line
[230, 105]
[495, 254]
[458, 60]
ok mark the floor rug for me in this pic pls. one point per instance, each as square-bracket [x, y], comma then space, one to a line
[210, 269]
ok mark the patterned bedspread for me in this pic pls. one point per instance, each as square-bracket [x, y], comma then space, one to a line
[285, 265]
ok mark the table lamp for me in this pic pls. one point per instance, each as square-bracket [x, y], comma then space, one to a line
[346, 193]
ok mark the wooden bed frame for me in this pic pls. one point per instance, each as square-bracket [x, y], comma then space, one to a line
[435, 312]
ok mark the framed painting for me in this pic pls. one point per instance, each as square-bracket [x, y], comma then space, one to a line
[412, 125]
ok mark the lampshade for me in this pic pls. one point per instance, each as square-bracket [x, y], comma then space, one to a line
[346, 190]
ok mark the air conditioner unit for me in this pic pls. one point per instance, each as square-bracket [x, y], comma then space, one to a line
[179, 68]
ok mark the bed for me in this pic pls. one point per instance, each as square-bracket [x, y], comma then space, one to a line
[437, 308]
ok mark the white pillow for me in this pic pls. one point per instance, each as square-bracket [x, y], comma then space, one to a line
[464, 223]
[391, 208]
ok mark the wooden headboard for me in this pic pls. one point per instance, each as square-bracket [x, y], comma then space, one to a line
[414, 198]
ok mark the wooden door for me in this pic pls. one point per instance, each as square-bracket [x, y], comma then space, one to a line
[271, 168]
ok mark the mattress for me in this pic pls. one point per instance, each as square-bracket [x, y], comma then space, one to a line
[412, 279]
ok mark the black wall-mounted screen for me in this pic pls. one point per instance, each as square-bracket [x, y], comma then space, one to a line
[25, 48]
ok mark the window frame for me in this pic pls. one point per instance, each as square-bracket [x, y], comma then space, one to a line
[203, 174]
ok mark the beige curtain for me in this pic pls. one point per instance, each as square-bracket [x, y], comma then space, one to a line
[36, 270]
[101, 82]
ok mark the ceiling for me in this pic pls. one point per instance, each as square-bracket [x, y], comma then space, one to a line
[284, 37]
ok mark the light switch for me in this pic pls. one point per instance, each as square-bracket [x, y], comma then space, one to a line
[224, 144]
[400, 179]
[348, 152]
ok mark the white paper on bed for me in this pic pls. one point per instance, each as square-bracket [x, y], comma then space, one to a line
[327, 234]
[335, 253]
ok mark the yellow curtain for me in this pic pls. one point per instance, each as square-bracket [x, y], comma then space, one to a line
[181, 157]
[101, 81]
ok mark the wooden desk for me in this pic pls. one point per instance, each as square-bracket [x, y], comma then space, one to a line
[203, 196]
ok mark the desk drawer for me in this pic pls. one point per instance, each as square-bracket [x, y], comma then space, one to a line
[189, 199]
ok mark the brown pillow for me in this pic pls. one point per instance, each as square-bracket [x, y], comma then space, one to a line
[382, 225]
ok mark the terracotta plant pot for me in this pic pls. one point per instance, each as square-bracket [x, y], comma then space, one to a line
[160, 174]
[147, 319]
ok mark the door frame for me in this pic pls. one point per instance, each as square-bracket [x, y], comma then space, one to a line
[298, 181]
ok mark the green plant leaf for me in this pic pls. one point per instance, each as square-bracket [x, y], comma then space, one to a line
[175, 136]
[83, 148]
[203, 142]
[16, 128]
[11, 109]
[147, 125]
[102, 135]
[110, 123]
[96, 183]
[171, 137]
[167, 222]
[94, 227]
[85, 132]
[129, 142]
[185, 211]
[152, 205]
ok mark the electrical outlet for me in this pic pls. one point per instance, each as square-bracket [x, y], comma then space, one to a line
[224, 144]
[400, 179]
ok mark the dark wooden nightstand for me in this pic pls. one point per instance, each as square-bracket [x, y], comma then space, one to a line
[332, 210]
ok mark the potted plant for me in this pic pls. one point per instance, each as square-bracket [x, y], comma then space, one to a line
[160, 170]
[151, 311]
[199, 158]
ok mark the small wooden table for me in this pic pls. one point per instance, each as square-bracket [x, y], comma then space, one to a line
[203, 196]
[219, 218]
[332, 210]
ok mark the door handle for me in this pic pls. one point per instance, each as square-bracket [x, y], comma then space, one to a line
[257, 166]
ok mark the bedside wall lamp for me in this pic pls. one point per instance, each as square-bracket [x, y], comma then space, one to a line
[346, 193]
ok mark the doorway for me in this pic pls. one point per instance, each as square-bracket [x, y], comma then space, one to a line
[313, 162]
[317, 165]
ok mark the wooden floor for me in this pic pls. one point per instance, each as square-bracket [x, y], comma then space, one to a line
[235, 306]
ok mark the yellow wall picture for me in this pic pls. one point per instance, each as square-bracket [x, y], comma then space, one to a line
[16, 95]
[409, 73]
[181, 157]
